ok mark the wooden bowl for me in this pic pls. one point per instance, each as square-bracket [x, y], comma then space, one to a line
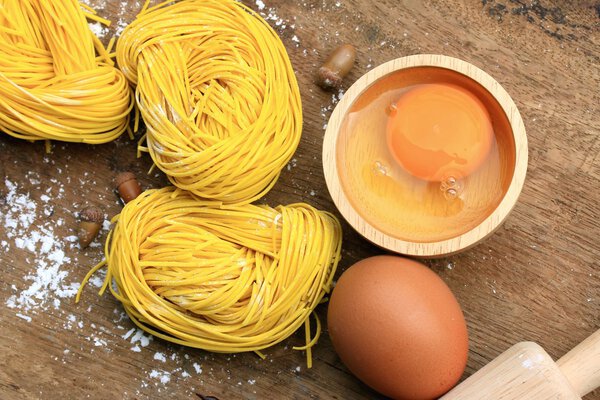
[392, 208]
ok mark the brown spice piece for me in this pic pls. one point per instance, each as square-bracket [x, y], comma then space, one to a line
[91, 219]
[128, 186]
[336, 67]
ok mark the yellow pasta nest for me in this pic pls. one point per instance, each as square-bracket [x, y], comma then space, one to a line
[52, 84]
[221, 278]
[218, 94]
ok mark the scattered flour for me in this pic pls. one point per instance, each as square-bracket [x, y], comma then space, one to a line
[120, 18]
[197, 368]
[163, 376]
[292, 164]
[26, 222]
[99, 342]
[138, 339]
[25, 317]
[136, 349]
[96, 4]
[98, 29]
[97, 280]
[124, 8]
[129, 333]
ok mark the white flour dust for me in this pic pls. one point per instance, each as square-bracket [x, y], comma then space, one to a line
[29, 230]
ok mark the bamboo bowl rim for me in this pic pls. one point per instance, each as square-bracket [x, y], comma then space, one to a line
[437, 248]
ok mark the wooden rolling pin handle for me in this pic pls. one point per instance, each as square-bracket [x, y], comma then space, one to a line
[581, 366]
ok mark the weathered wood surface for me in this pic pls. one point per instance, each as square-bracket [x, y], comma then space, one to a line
[537, 278]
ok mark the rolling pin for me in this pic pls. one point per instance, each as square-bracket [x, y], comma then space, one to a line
[526, 371]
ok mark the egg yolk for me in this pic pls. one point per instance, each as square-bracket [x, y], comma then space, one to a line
[438, 131]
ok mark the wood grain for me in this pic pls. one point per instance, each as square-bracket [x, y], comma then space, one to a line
[581, 366]
[526, 371]
[537, 278]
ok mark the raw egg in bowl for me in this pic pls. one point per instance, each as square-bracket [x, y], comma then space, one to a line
[425, 155]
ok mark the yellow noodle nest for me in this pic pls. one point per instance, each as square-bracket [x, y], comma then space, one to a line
[52, 84]
[218, 95]
[220, 278]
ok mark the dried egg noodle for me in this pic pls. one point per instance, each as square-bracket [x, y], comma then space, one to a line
[224, 278]
[218, 95]
[53, 86]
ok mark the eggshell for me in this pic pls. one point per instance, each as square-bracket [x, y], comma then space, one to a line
[397, 326]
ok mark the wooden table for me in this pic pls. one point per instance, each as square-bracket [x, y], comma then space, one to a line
[537, 278]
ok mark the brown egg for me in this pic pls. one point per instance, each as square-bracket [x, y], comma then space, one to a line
[397, 326]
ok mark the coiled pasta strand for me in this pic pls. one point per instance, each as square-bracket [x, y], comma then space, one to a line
[224, 278]
[218, 94]
[57, 80]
